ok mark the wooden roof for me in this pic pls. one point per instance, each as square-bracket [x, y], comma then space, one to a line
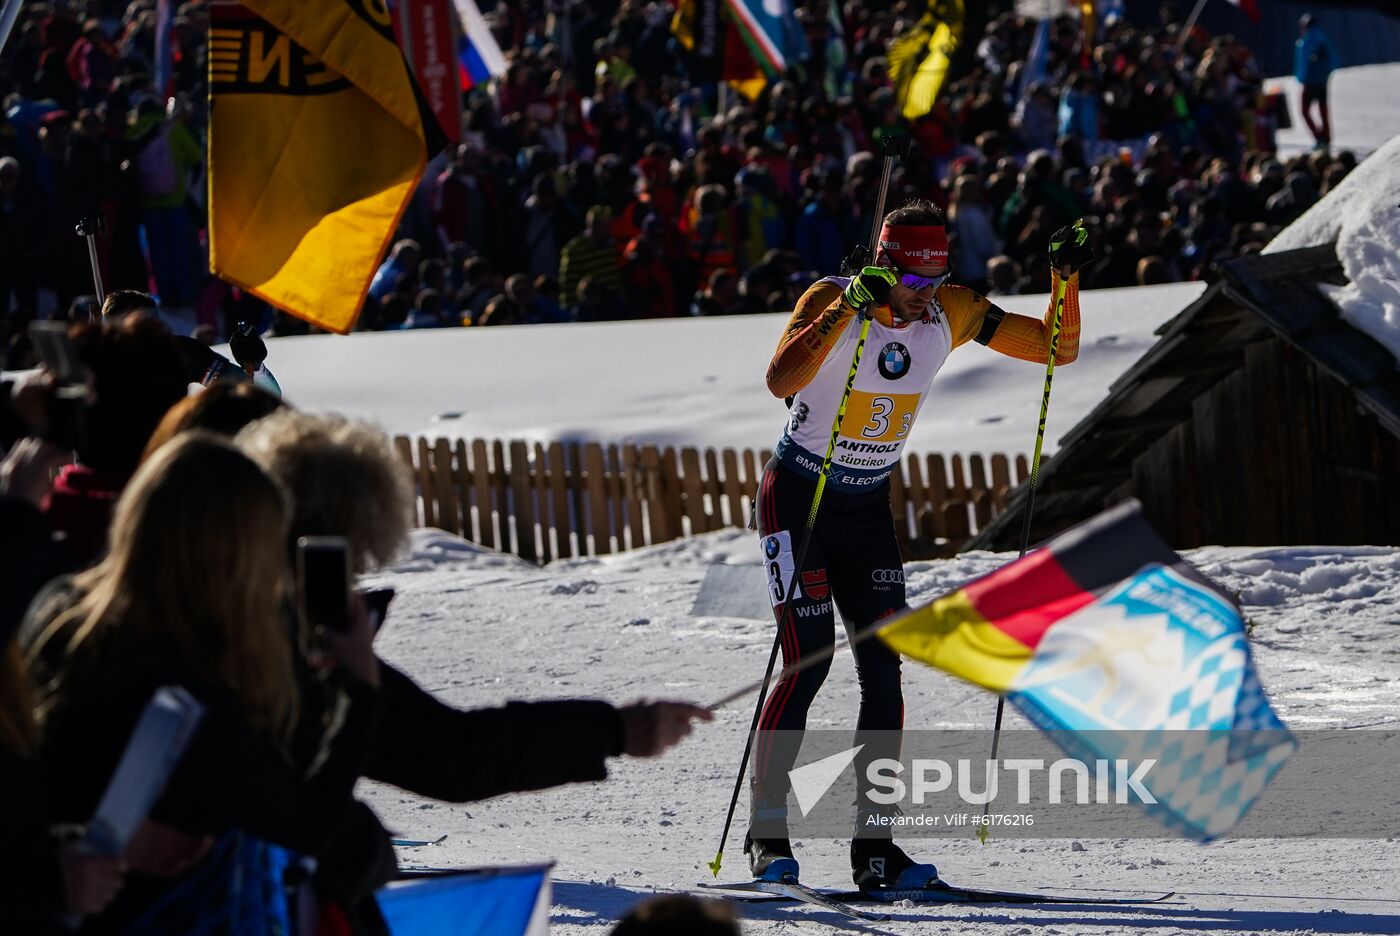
[1259, 296]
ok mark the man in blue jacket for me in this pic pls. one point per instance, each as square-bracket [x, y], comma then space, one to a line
[1314, 59]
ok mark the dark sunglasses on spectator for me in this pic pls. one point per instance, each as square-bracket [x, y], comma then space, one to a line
[916, 282]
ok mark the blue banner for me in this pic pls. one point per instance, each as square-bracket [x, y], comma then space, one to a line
[482, 902]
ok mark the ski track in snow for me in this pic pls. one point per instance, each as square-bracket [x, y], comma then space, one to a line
[479, 628]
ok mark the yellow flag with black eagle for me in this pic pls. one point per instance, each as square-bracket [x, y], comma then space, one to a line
[919, 58]
[318, 135]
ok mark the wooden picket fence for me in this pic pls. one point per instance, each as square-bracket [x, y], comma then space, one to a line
[565, 499]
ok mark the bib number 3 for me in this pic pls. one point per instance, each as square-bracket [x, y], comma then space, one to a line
[880, 410]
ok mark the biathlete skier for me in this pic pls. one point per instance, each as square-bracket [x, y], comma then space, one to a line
[918, 318]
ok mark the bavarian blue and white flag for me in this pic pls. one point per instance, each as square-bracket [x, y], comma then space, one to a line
[1122, 652]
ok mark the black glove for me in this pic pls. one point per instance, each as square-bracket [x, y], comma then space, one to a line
[871, 286]
[1069, 247]
[247, 346]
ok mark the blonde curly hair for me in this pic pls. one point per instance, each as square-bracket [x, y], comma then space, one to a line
[344, 477]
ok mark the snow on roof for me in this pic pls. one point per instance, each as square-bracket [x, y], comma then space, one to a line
[690, 381]
[1363, 217]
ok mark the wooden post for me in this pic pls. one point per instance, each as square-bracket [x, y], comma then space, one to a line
[500, 484]
[733, 492]
[559, 497]
[635, 493]
[958, 489]
[753, 477]
[404, 446]
[714, 514]
[617, 505]
[481, 487]
[1001, 482]
[547, 525]
[937, 492]
[425, 483]
[462, 485]
[671, 490]
[982, 509]
[448, 517]
[955, 526]
[523, 498]
[977, 467]
[1001, 470]
[597, 498]
[658, 512]
[694, 491]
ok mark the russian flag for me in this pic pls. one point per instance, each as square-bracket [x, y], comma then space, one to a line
[478, 55]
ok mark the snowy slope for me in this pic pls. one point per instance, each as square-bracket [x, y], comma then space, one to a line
[1361, 101]
[690, 381]
[479, 628]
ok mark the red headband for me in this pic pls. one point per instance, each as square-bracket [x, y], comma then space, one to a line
[913, 245]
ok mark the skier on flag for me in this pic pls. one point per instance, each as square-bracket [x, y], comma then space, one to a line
[853, 558]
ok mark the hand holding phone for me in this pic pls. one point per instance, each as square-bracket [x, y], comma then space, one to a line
[323, 582]
[328, 605]
[377, 602]
[353, 649]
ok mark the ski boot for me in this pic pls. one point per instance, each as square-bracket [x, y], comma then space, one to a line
[767, 843]
[877, 863]
[770, 859]
[880, 864]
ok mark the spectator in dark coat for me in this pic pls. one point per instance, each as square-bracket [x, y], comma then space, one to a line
[425, 746]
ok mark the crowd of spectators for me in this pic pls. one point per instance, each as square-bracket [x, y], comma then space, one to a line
[608, 175]
[148, 539]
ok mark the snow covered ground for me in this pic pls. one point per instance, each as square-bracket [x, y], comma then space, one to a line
[1361, 101]
[478, 628]
[690, 381]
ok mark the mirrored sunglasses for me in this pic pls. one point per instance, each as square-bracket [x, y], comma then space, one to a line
[916, 282]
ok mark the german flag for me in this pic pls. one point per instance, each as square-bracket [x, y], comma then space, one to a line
[1110, 641]
[318, 135]
[988, 631]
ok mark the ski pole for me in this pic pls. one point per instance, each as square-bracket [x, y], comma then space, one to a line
[89, 228]
[894, 148]
[1077, 231]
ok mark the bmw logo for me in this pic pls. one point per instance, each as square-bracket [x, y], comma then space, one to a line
[894, 361]
[771, 547]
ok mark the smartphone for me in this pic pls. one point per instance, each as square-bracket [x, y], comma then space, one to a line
[56, 351]
[377, 602]
[323, 582]
[60, 358]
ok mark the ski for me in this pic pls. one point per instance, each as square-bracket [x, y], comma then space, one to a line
[951, 893]
[418, 843]
[939, 893]
[780, 890]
